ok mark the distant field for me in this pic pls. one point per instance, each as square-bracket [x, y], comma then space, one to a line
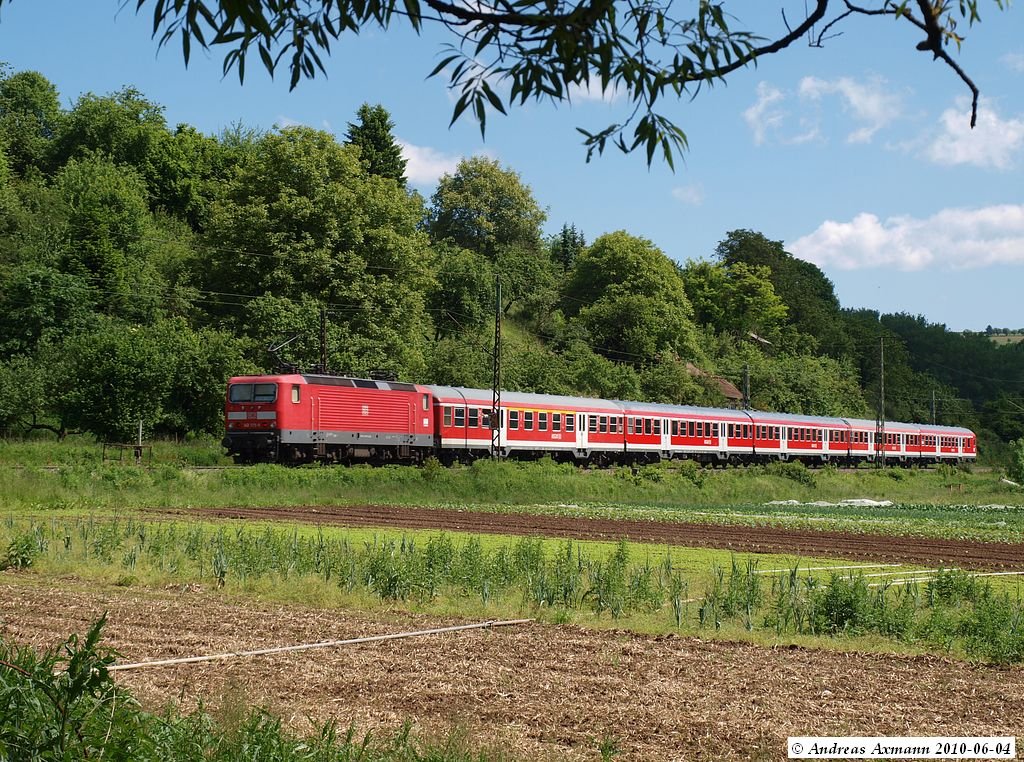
[1013, 338]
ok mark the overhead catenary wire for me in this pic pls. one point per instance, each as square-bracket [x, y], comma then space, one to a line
[323, 644]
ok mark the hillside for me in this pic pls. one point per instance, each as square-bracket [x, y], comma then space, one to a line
[141, 265]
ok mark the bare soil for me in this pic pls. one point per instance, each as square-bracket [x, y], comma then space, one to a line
[545, 691]
[966, 554]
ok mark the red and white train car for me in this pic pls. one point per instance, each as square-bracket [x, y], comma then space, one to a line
[299, 418]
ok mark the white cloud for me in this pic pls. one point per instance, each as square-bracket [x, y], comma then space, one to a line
[950, 239]
[765, 115]
[993, 144]
[425, 165]
[869, 103]
[692, 195]
[284, 122]
[1014, 62]
[593, 93]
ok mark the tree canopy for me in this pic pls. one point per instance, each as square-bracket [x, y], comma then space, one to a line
[650, 51]
[142, 265]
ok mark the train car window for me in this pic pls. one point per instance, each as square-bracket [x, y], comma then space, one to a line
[460, 417]
[264, 392]
[240, 393]
[296, 393]
[570, 422]
[657, 426]
[629, 425]
[690, 428]
[542, 421]
[618, 424]
[447, 416]
[714, 430]
[485, 418]
[602, 424]
[556, 421]
[592, 423]
[528, 420]
[513, 419]
[474, 417]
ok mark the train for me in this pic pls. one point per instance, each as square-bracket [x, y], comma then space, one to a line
[307, 418]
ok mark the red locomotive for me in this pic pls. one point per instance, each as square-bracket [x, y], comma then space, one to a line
[302, 418]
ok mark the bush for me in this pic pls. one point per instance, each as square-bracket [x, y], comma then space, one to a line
[793, 470]
[1015, 470]
[21, 552]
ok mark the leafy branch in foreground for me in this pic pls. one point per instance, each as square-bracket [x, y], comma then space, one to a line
[506, 53]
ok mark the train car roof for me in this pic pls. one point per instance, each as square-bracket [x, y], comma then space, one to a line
[932, 428]
[524, 398]
[796, 418]
[691, 410]
[864, 423]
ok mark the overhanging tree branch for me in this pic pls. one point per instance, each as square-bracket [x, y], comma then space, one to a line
[507, 53]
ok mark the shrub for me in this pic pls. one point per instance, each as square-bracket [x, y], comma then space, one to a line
[22, 551]
[792, 470]
[1016, 468]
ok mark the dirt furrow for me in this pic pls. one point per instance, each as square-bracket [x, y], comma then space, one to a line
[868, 547]
[545, 691]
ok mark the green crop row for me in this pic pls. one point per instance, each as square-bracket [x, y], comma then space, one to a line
[953, 611]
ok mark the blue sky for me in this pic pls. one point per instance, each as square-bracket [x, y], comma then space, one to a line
[858, 155]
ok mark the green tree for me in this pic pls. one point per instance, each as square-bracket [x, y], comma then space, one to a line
[40, 303]
[489, 210]
[630, 298]
[30, 116]
[484, 207]
[463, 294]
[377, 145]
[649, 50]
[107, 221]
[738, 299]
[668, 380]
[812, 306]
[567, 245]
[301, 220]
[123, 126]
[594, 375]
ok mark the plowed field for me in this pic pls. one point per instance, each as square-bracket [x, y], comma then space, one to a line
[546, 691]
[920, 550]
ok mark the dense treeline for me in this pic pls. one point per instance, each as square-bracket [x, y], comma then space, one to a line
[141, 265]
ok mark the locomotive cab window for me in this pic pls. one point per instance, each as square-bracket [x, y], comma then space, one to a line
[252, 392]
[295, 393]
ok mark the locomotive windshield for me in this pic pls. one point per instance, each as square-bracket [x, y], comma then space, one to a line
[252, 392]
